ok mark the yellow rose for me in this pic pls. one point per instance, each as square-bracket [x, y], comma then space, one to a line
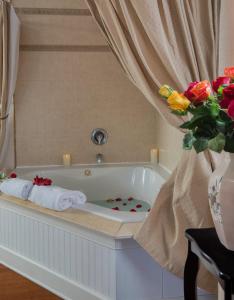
[178, 101]
[165, 91]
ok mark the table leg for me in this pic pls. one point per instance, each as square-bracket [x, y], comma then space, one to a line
[227, 290]
[190, 275]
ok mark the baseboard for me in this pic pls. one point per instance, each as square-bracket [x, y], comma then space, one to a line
[66, 289]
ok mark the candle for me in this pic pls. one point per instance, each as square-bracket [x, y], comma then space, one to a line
[154, 156]
[66, 160]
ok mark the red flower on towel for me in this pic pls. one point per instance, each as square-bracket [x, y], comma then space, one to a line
[42, 181]
[13, 175]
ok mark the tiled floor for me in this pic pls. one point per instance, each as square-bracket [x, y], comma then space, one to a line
[14, 286]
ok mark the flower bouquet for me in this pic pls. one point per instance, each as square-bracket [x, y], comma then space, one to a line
[211, 107]
[210, 125]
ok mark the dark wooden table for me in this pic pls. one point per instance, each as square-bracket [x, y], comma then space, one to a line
[204, 247]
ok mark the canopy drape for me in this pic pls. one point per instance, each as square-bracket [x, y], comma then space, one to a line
[158, 41]
[173, 42]
[9, 53]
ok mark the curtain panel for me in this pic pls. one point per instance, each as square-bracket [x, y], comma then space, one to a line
[158, 41]
[3, 67]
[9, 53]
[173, 42]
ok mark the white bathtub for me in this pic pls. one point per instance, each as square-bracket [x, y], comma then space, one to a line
[79, 262]
[102, 182]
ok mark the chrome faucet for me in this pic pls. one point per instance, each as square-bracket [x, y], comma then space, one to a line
[99, 158]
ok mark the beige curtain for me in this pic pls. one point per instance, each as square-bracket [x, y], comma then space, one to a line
[173, 42]
[9, 52]
[3, 67]
[161, 41]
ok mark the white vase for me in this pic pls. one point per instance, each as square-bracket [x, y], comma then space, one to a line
[221, 199]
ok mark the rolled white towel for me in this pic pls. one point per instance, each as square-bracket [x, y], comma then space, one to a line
[16, 187]
[79, 199]
[56, 198]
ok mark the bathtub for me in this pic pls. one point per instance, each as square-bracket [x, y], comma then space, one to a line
[102, 182]
[77, 254]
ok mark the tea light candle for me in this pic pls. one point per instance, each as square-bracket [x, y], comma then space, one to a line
[66, 160]
[154, 156]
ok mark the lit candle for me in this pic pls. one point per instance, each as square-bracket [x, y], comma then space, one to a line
[154, 156]
[66, 160]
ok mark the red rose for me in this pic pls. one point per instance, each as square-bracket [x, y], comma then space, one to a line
[225, 103]
[230, 111]
[13, 175]
[228, 92]
[228, 96]
[220, 81]
[198, 92]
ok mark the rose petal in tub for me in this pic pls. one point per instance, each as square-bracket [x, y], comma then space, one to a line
[109, 200]
[118, 199]
[115, 208]
[138, 206]
[132, 210]
[130, 199]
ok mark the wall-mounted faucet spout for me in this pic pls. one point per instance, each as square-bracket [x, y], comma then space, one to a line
[99, 158]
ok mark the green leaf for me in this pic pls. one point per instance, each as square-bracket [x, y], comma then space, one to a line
[224, 116]
[214, 109]
[221, 88]
[200, 144]
[179, 112]
[198, 111]
[217, 143]
[193, 122]
[229, 145]
[188, 141]
[221, 126]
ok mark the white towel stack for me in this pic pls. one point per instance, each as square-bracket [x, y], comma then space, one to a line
[17, 187]
[56, 198]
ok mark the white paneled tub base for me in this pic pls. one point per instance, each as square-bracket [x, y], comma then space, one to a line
[79, 264]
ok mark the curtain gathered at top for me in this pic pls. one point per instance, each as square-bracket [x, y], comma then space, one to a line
[173, 42]
[9, 53]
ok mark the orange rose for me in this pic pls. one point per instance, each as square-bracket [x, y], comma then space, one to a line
[200, 91]
[229, 72]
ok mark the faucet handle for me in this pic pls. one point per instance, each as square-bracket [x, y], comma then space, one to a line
[99, 136]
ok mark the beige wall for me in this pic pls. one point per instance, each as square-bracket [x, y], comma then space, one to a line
[62, 95]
